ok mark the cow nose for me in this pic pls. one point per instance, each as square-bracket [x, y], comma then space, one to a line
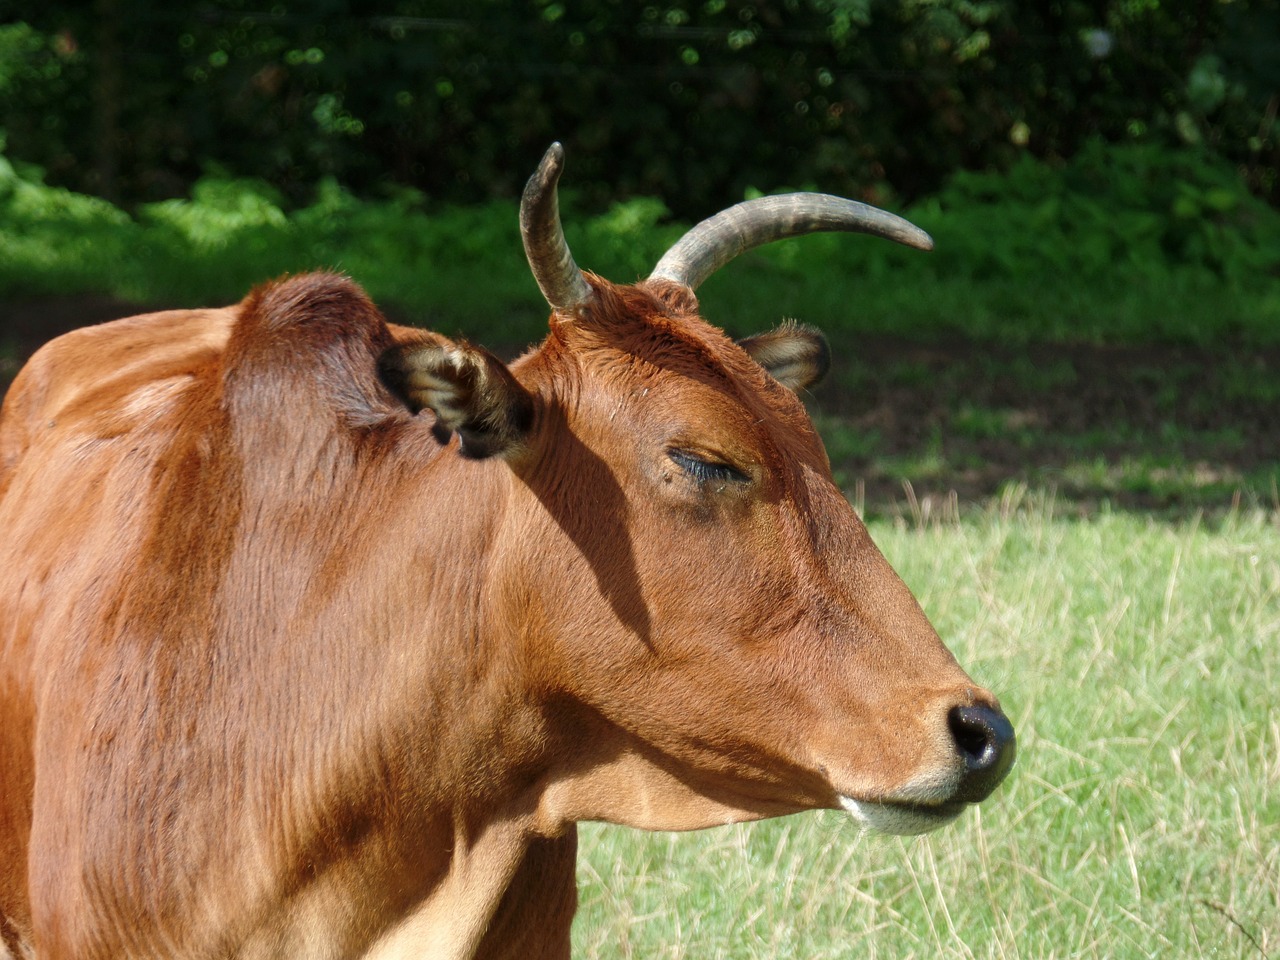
[986, 742]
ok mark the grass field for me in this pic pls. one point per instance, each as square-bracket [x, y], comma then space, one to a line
[1140, 662]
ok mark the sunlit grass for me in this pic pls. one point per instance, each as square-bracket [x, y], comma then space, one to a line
[1139, 661]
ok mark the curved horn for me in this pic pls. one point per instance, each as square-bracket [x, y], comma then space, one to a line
[559, 278]
[717, 240]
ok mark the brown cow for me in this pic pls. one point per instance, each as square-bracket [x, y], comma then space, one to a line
[318, 636]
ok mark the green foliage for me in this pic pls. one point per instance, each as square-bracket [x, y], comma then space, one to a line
[1135, 209]
[53, 240]
[1121, 243]
[20, 44]
[694, 101]
[446, 266]
[220, 213]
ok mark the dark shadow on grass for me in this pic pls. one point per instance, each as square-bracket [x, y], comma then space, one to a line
[1159, 428]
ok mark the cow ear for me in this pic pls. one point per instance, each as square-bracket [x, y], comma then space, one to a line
[470, 391]
[794, 355]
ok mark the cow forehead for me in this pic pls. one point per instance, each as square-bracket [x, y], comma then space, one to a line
[633, 346]
[645, 379]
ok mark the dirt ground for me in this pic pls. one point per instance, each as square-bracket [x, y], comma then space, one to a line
[1169, 429]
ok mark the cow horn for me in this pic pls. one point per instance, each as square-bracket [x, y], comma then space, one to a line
[717, 240]
[559, 278]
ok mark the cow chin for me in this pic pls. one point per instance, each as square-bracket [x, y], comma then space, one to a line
[903, 819]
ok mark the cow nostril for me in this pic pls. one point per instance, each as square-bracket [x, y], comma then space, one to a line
[986, 742]
[972, 740]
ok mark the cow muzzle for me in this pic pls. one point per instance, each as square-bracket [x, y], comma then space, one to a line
[985, 748]
[988, 746]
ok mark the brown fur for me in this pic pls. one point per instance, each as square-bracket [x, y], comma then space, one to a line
[281, 675]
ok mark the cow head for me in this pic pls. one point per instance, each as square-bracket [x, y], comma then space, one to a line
[701, 605]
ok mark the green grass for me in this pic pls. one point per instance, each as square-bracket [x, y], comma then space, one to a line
[1140, 662]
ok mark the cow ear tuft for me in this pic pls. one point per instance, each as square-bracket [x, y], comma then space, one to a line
[470, 391]
[796, 356]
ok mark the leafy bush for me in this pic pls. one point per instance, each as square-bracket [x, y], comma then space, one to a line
[1135, 208]
[1128, 243]
[690, 100]
[1121, 243]
[53, 240]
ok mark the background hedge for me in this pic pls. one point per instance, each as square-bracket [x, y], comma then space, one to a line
[694, 101]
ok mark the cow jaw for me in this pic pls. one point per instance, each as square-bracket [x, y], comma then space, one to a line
[636, 788]
[901, 818]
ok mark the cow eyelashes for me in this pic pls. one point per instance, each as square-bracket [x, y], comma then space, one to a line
[705, 471]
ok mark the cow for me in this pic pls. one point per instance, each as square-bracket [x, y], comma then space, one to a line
[319, 635]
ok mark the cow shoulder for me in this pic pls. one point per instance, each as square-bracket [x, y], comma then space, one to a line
[106, 380]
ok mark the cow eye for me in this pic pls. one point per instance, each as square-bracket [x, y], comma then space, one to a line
[706, 471]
